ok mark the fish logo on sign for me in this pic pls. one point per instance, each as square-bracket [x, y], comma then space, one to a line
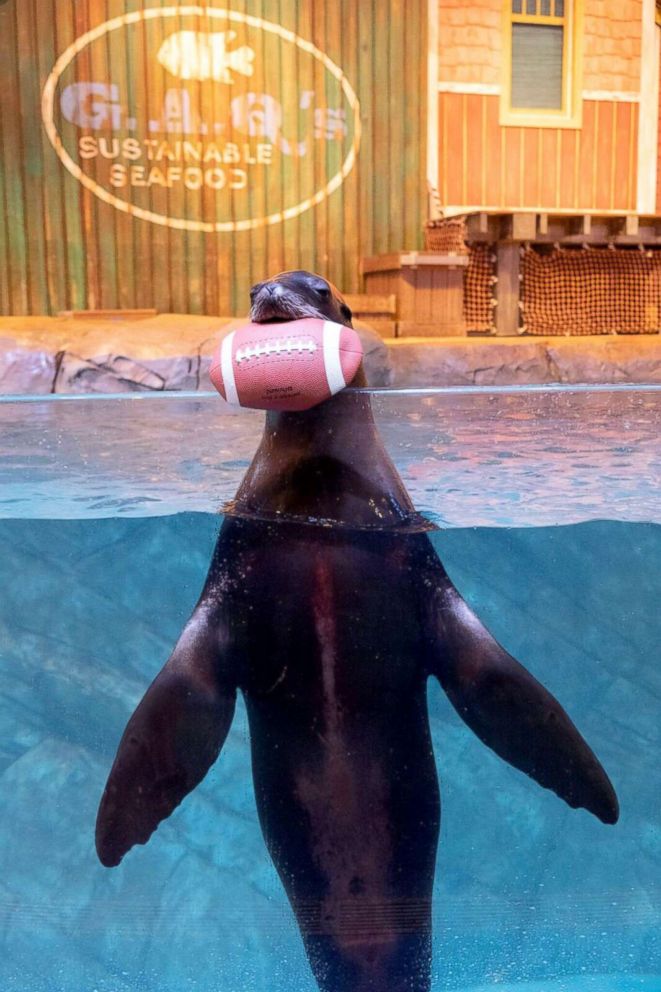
[203, 55]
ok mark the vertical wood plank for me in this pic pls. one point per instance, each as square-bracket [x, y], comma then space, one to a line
[403, 283]
[73, 234]
[294, 165]
[5, 254]
[122, 225]
[104, 221]
[424, 295]
[133, 229]
[366, 90]
[567, 151]
[454, 163]
[12, 160]
[530, 190]
[511, 166]
[332, 45]
[577, 165]
[350, 60]
[594, 164]
[52, 179]
[493, 135]
[234, 250]
[394, 45]
[283, 178]
[443, 153]
[633, 156]
[623, 126]
[244, 255]
[464, 148]
[613, 156]
[475, 153]
[385, 195]
[32, 159]
[484, 145]
[204, 250]
[604, 152]
[280, 176]
[548, 172]
[503, 165]
[587, 152]
[186, 249]
[307, 237]
[507, 288]
[658, 160]
[87, 201]
[417, 42]
[324, 234]
[156, 198]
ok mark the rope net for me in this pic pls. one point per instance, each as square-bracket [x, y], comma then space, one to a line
[591, 291]
[447, 236]
[479, 279]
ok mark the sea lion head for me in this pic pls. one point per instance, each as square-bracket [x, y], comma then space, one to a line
[296, 295]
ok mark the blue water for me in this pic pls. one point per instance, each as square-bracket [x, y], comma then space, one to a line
[551, 510]
[468, 457]
[527, 890]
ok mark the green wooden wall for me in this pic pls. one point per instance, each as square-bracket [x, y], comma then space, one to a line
[62, 247]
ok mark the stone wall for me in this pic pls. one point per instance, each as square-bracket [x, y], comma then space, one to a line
[42, 355]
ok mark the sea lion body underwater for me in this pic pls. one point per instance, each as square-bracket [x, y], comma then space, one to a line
[327, 606]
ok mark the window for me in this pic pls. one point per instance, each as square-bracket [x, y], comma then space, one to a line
[540, 63]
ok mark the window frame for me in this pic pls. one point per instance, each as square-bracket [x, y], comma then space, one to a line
[570, 114]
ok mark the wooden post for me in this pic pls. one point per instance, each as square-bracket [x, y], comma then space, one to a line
[523, 227]
[631, 225]
[507, 288]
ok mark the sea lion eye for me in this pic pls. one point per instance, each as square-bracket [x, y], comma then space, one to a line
[324, 292]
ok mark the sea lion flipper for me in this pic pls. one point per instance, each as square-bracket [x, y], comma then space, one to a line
[514, 715]
[169, 744]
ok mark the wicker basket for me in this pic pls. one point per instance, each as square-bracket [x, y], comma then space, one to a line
[447, 236]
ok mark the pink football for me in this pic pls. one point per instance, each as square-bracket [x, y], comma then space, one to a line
[286, 366]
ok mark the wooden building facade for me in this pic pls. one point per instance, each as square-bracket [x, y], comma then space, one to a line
[169, 155]
[548, 105]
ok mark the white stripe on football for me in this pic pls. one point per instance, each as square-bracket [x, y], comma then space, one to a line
[288, 366]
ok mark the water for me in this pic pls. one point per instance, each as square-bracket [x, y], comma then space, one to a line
[469, 457]
[551, 516]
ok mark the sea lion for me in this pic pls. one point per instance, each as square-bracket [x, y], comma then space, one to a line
[327, 606]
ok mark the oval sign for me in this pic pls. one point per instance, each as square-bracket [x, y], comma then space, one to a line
[202, 119]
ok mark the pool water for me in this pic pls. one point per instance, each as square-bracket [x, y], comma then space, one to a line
[107, 532]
